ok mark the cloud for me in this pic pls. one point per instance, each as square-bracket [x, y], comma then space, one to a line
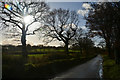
[81, 0]
[82, 12]
[84, 28]
[86, 6]
[9, 42]
[108, 0]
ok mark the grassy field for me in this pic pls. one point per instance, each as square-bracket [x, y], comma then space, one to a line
[38, 50]
[111, 70]
[41, 66]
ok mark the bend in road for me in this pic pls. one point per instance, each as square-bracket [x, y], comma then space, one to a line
[89, 69]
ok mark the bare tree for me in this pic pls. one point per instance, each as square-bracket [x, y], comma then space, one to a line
[82, 41]
[100, 20]
[14, 14]
[104, 19]
[77, 40]
[61, 25]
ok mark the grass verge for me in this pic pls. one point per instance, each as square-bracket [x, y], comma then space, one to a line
[39, 66]
[111, 71]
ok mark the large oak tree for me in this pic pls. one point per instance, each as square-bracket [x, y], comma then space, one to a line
[13, 14]
[62, 25]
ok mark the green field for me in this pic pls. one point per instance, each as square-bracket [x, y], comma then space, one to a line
[38, 51]
[41, 65]
[110, 69]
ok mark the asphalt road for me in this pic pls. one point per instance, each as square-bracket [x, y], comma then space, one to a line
[89, 70]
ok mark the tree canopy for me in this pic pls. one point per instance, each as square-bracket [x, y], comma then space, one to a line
[13, 14]
[104, 19]
[62, 25]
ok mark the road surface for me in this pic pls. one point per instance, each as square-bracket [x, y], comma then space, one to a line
[88, 70]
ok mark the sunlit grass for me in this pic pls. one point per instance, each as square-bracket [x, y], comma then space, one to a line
[52, 50]
[46, 50]
[74, 50]
[36, 55]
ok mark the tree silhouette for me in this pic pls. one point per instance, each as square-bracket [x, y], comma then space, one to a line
[84, 43]
[104, 19]
[62, 25]
[12, 14]
[99, 20]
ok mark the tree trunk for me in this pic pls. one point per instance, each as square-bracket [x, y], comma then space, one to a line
[81, 51]
[80, 48]
[117, 53]
[66, 47]
[23, 41]
[86, 52]
[108, 46]
[117, 56]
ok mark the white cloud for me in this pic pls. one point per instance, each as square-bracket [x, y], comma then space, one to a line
[86, 6]
[103, 0]
[9, 41]
[84, 28]
[82, 12]
[108, 0]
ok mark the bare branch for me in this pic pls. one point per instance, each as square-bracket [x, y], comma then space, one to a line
[61, 24]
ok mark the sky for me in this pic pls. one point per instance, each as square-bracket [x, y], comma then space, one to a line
[82, 0]
[80, 7]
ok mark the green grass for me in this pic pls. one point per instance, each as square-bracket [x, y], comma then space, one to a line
[110, 69]
[40, 65]
[46, 50]
[74, 50]
[51, 50]
[41, 51]
[36, 55]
